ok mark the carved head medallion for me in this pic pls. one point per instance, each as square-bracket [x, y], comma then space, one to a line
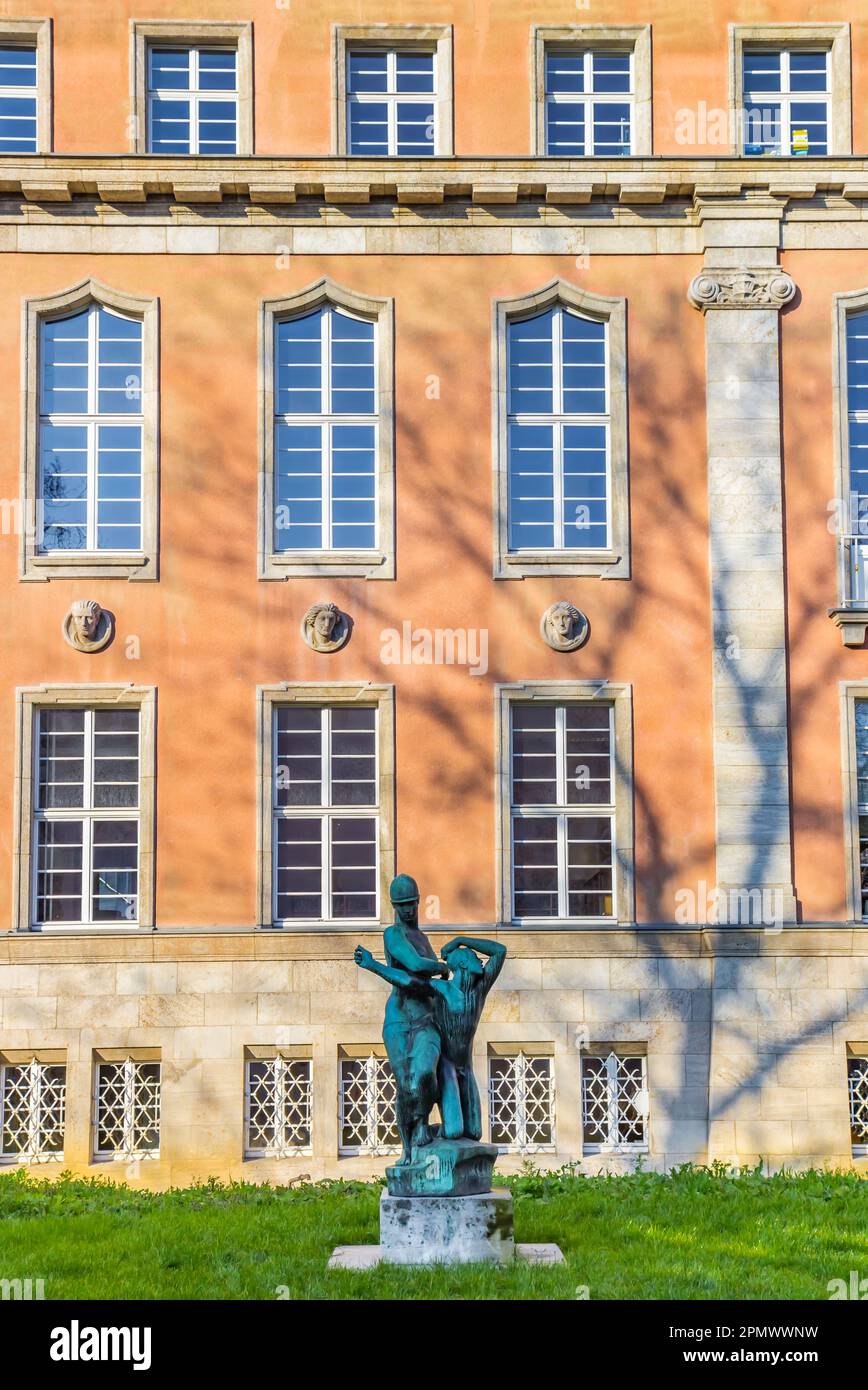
[325, 628]
[88, 627]
[564, 628]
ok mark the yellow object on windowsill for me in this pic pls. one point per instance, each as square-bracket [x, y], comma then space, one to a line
[800, 142]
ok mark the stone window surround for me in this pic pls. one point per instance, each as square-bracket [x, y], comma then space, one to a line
[29, 700]
[38, 32]
[852, 619]
[268, 697]
[850, 692]
[620, 696]
[609, 564]
[196, 33]
[143, 564]
[635, 37]
[373, 564]
[427, 36]
[834, 37]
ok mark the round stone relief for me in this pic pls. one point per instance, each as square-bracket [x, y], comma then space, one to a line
[325, 628]
[564, 628]
[88, 627]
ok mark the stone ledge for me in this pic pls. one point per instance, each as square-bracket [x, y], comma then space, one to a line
[852, 624]
[362, 1257]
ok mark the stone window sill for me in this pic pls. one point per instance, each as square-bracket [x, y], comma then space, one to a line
[105, 565]
[607, 564]
[361, 564]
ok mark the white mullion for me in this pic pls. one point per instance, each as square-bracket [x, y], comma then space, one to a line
[392, 101]
[371, 1106]
[129, 1104]
[326, 430]
[520, 1101]
[326, 794]
[87, 914]
[3, 1070]
[563, 895]
[612, 1088]
[193, 98]
[35, 1107]
[90, 423]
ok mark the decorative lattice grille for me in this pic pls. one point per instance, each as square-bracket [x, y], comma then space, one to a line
[32, 1110]
[521, 1102]
[128, 1109]
[857, 1079]
[614, 1102]
[279, 1101]
[367, 1107]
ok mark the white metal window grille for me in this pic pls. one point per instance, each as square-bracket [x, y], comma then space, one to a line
[127, 1109]
[32, 1111]
[558, 426]
[589, 102]
[563, 811]
[90, 432]
[786, 95]
[861, 718]
[367, 1107]
[18, 83]
[192, 100]
[86, 821]
[857, 1083]
[326, 813]
[614, 1103]
[521, 1103]
[326, 421]
[278, 1106]
[391, 98]
[855, 535]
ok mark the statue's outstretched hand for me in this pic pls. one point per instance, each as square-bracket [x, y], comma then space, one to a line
[362, 957]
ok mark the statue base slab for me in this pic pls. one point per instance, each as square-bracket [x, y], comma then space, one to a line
[362, 1257]
[444, 1168]
[447, 1230]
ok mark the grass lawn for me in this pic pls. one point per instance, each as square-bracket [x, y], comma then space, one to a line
[692, 1234]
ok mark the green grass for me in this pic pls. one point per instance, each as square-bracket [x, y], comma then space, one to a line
[696, 1233]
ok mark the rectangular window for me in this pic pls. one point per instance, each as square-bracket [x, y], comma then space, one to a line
[192, 100]
[614, 1102]
[786, 101]
[855, 536]
[32, 1111]
[563, 811]
[326, 813]
[278, 1100]
[367, 1106]
[86, 817]
[391, 102]
[860, 708]
[127, 1109]
[521, 1102]
[326, 420]
[857, 1084]
[19, 123]
[90, 432]
[558, 432]
[589, 102]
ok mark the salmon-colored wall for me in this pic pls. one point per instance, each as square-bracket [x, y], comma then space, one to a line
[292, 63]
[209, 632]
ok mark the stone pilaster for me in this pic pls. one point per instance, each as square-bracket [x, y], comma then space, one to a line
[751, 737]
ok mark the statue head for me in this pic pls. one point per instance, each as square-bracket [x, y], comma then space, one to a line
[87, 626]
[460, 958]
[86, 614]
[563, 627]
[404, 897]
[325, 628]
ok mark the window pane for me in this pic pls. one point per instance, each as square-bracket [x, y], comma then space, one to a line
[61, 758]
[530, 357]
[414, 72]
[369, 128]
[352, 366]
[59, 861]
[354, 870]
[367, 72]
[535, 866]
[298, 863]
[611, 72]
[565, 128]
[115, 870]
[611, 128]
[116, 758]
[298, 365]
[415, 128]
[565, 72]
[808, 72]
[217, 69]
[64, 352]
[762, 71]
[170, 126]
[170, 69]
[298, 756]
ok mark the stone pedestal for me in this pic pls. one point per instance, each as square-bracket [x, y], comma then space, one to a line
[444, 1168]
[447, 1230]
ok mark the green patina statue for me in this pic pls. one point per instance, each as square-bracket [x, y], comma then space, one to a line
[431, 1018]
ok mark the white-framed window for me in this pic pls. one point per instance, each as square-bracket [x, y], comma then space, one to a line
[855, 529]
[86, 817]
[278, 1106]
[786, 99]
[192, 99]
[857, 1086]
[614, 1102]
[562, 810]
[367, 1119]
[589, 102]
[127, 1109]
[326, 813]
[19, 98]
[558, 428]
[392, 101]
[521, 1102]
[326, 422]
[90, 432]
[32, 1110]
[860, 716]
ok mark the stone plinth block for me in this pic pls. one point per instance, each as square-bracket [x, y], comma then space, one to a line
[447, 1230]
[444, 1168]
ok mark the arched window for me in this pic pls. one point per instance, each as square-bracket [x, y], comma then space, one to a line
[328, 433]
[561, 438]
[91, 427]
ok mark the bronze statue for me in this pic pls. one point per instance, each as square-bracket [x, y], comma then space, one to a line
[431, 1018]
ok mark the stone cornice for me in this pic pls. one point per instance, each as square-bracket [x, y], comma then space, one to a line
[134, 179]
[741, 288]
